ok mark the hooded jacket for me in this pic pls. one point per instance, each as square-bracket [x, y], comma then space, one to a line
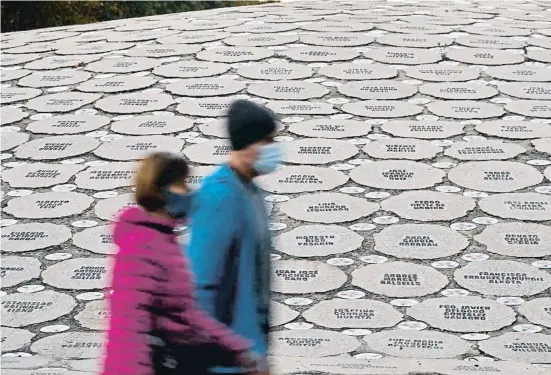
[149, 273]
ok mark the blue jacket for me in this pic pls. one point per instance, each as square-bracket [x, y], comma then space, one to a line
[220, 213]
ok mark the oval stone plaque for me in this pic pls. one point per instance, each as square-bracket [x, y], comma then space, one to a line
[360, 71]
[330, 128]
[520, 73]
[269, 72]
[61, 102]
[106, 177]
[337, 39]
[13, 339]
[281, 314]
[79, 274]
[262, 28]
[463, 314]
[58, 147]
[123, 65]
[382, 108]
[484, 150]
[502, 278]
[335, 27]
[98, 240]
[48, 205]
[423, 129]
[317, 240]
[328, 208]
[10, 140]
[8, 75]
[93, 48]
[537, 311]
[235, 54]
[465, 109]
[23, 309]
[457, 90]
[481, 56]
[134, 103]
[401, 148]
[75, 344]
[414, 40]
[514, 129]
[194, 37]
[16, 270]
[298, 179]
[11, 115]
[292, 90]
[305, 276]
[320, 54]
[290, 107]
[165, 50]
[365, 313]
[116, 84]
[54, 78]
[205, 107]
[417, 344]
[138, 147]
[532, 108]
[542, 145]
[414, 28]
[203, 87]
[520, 206]
[260, 40]
[311, 343]
[198, 174]
[17, 94]
[494, 30]
[191, 69]
[526, 90]
[318, 151]
[404, 56]
[215, 151]
[68, 124]
[521, 240]
[419, 241]
[111, 208]
[33, 236]
[543, 56]
[495, 176]
[442, 73]
[428, 205]
[517, 346]
[399, 279]
[397, 175]
[151, 125]
[56, 62]
[16, 59]
[488, 42]
[374, 90]
[94, 316]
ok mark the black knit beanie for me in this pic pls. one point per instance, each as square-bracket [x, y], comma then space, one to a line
[249, 123]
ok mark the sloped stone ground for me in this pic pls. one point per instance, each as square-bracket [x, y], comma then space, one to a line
[411, 217]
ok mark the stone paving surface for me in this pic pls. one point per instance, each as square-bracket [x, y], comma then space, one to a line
[411, 218]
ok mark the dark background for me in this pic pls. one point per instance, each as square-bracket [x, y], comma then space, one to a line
[28, 15]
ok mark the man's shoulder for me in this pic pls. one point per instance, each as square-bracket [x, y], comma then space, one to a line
[218, 186]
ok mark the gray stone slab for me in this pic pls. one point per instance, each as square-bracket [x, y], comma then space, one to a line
[235, 54]
[150, 125]
[216, 128]
[380, 89]
[198, 174]
[359, 71]
[317, 241]
[134, 103]
[33, 236]
[203, 87]
[318, 151]
[328, 208]
[262, 28]
[520, 206]
[419, 241]
[525, 90]
[463, 314]
[537, 311]
[336, 27]
[57, 62]
[10, 140]
[284, 71]
[260, 40]
[164, 50]
[61, 102]
[414, 40]
[457, 90]
[298, 179]
[330, 128]
[401, 148]
[9, 75]
[417, 344]
[365, 313]
[48, 205]
[116, 84]
[442, 73]
[56, 147]
[95, 315]
[17, 94]
[110, 208]
[429, 205]
[414, 28]
[281, 314]
[23, 309]
[93, 48]
[514, 129]
[287, 90]
[484, 150]
[54, 78]
[404, 56]
[502, 278]
[542, 145]
[138, 147]
[521, 240]
[106, 177]
[520, 73]
[320, 54]
[481, 56]
[517, 346]
[423, 129]
[123, 65]
[76, 344]
[98, 240]
[543, 56]
[11, 115]
[191, 69]
[79, 274]
[215, 151]
[13, 59]
[68, 124]
[337, 39]
[205, 107]
[305, 276]
[489, 42]
[39, 175]
[16, 270]
[465, 109]
[293, 107]
[311, 343]
[397, 175]
[493, 30]
[382, 108]
[13, 338]
[194, 37]
[399, 279]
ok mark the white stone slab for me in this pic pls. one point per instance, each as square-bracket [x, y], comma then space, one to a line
[76, 344]
[48, 205]
[98, 240]
[215, 151]
[16, 270]
[442, 73]
[399, 279]
[417, 344]
[198, 174]
[429, 205]
[123, 65]
[33, 236]
[537, 311]
[13, 59]
[520, 73]
[151, 125]
[110, 208]
[419, 241]
[10, 140]
[203, 87]
[484, 150]
[235, 54]
[401, 148]
[205, 107]
[414, 28]
[522, 240]
[13, 338]
[337, 39]
[165, 50]
[305, 276]
[330, 128]
[23, 309]
[11, 115]
[298, 179]
[262, 28]
[318, 151]
[375, 90]
[68, 124]
[39, 175]
[57, 147]
[481, 56]
[494, 30]
[208, 24]
[54, 78]
[9, 75]
[194, 37]
[105, 177]
[287, 90]
[359, 71]
[502, 278]
[260, 40]
[382, 108]
[118, 83]
[414, 40]
[17, 94]
[95, 315]
[543, 56]
[328, 208]
[191, 69]
[457, 90]
[404, 56]
[465, 109]
[290, 107]
[542, 145]
[520, 206]
[134, 103]
[336, 27]
[488, 42]
[532, 108]
[79, 274]
[320, 54]
[311, 343]
[463, 314]
[281, 314]
[285, 71]
[61, 102]
[338, 313]
[423, 129]
[527, 90]
[514, 129]
[517, 346]
[56, 62]
[138, 147]
[317, 240]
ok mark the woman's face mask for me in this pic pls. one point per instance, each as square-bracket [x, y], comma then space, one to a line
[269, 157]
[178, 205]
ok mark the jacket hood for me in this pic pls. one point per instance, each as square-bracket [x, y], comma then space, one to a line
[130, 220]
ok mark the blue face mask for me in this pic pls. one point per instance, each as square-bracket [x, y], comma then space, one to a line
[178, 205]
[269, 157]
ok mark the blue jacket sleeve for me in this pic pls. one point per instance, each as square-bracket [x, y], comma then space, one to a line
[213, 227]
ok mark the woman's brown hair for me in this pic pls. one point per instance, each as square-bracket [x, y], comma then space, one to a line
[154, 175]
